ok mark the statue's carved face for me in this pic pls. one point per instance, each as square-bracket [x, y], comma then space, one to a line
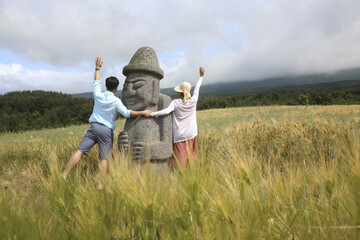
[140, 91]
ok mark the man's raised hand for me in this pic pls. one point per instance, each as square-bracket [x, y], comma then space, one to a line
[98, 62]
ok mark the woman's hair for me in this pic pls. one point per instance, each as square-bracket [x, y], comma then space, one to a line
[186, 97]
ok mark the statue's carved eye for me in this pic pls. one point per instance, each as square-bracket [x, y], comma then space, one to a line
[138, 84]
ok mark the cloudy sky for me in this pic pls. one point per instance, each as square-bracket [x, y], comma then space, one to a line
[51, 45]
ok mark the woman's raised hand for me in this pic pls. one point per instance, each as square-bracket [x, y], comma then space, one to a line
[202, 71]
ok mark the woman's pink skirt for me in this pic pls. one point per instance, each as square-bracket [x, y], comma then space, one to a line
[184, 151]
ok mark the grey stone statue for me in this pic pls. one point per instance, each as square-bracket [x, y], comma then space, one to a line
[145, 137]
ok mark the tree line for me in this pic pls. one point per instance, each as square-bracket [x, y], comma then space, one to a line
[328, 96]
[28, 110]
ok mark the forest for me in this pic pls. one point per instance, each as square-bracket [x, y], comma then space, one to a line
[315, 96]
[29, 110]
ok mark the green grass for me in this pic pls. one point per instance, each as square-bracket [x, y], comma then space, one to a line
[222, 118]
[263, 173]
[53, 135]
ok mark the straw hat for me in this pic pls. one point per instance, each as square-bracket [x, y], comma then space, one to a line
[185, 88]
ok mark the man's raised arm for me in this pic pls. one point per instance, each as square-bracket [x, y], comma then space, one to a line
[98, 65]
[97, 84]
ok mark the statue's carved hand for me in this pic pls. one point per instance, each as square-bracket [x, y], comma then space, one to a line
[140, 151]
[123, 141]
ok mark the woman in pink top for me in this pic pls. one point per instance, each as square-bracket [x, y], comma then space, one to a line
[184, 121]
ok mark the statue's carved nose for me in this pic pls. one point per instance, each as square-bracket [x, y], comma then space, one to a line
[131, 90]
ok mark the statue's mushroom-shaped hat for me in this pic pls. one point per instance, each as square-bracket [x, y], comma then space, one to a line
[144, 60]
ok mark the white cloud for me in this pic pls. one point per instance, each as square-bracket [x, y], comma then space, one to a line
[15, 77]
[233, 40]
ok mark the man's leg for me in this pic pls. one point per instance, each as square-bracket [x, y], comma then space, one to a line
[86, 144]
[105, 140]
[103, 166]
[74, 159]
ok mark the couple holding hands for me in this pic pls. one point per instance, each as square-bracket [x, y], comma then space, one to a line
[107, 106]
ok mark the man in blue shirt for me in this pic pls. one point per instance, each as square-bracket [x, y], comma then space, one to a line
[106, 108]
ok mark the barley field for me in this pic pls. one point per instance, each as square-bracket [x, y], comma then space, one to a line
[264, 173]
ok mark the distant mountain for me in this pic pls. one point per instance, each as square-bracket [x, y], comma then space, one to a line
[241, 87]
[83, 95]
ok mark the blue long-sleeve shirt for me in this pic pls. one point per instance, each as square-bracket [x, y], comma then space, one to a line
[106, 107]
